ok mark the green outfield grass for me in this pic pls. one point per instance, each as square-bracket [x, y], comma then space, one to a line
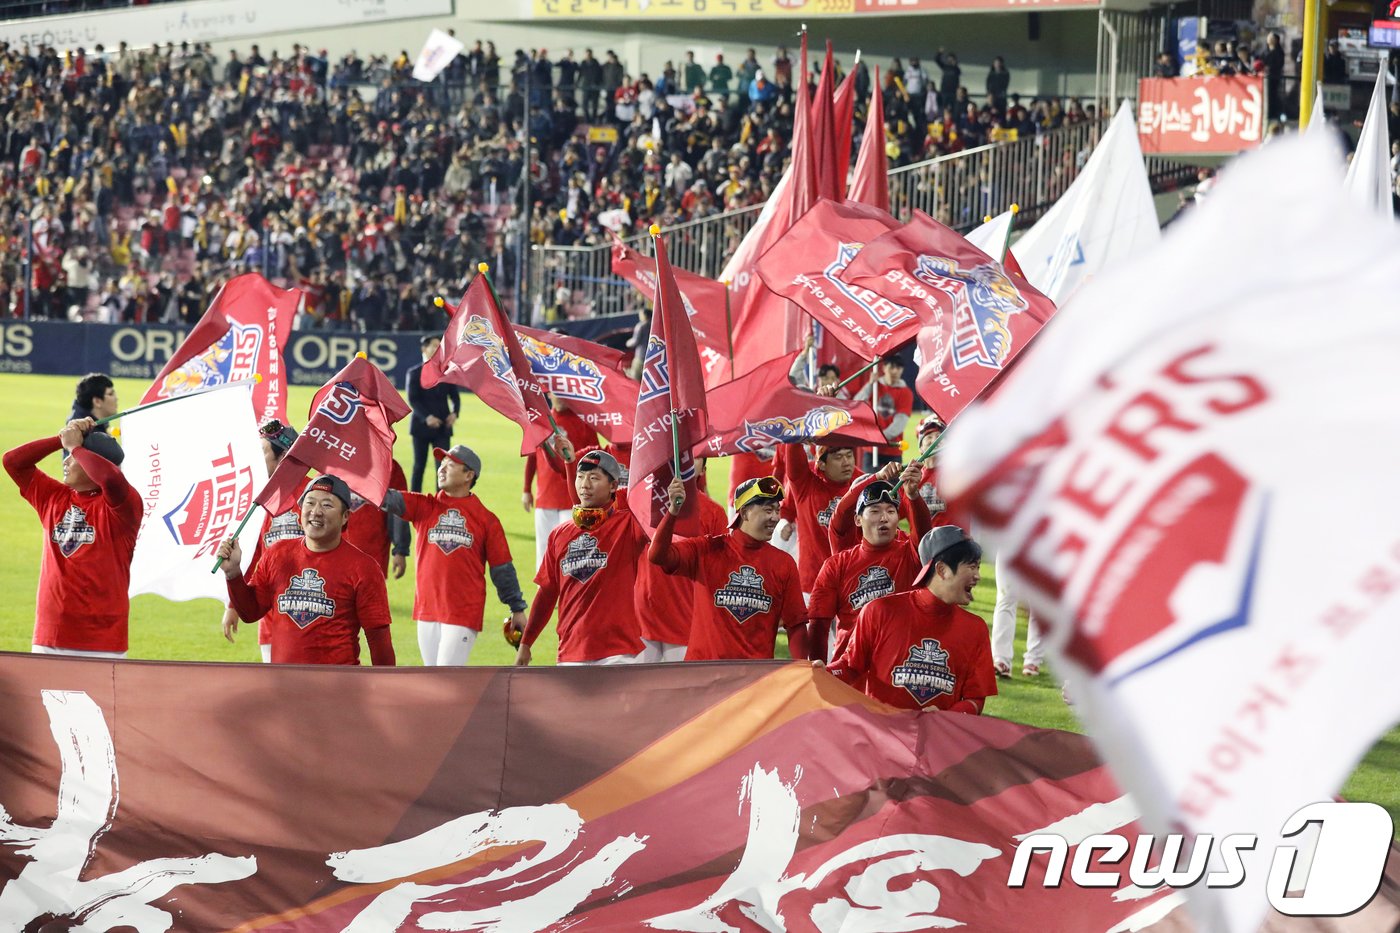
[36, 405]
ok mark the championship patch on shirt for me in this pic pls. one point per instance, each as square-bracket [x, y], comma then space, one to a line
[305, 600]
[73, 531]
[284, 527]
[450, 532]
[582, 559]
[743, 596]
[929, 493]
[824, 516]
[925, 673]
[873, 584]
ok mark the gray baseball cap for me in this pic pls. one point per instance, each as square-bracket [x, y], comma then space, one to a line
[463, 455]
[601, 460]
[934, 543]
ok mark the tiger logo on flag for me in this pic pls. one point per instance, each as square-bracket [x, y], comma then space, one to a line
[478, 332]
[780, 429]
[984, 300]
[565, 374]
[883, 313]
[234, 357]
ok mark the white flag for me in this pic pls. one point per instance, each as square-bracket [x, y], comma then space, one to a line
[197, 463]
[438, 52]
[1106, 216]
[1189, 475]
[1368, 176]
[991, 236]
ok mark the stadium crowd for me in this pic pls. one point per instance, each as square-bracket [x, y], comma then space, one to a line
[143, 179]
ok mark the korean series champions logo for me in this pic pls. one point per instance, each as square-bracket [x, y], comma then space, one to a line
[873, 584]
[305, 600]
[567, 375]
[450, 532]
[819, 422]
[925, 673]
[984, 300]
[583, 559]
[73, 531]
[234, 357]
[744, 596]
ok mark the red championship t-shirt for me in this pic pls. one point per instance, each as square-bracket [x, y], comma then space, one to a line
[592, 575]
[554, 482]
[457, 538]
[284, 526]
[666, 603]
[369, 526]
[89, 538]
[852, 578]
[914, 651]
[815, 499]
[747, 588]
[314, 602]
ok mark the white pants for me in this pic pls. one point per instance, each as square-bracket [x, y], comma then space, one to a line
[266, 653]
[606, 662]
[659, 651]
[546, 520]
[75, 653]
[444, 645]
[1004, 625]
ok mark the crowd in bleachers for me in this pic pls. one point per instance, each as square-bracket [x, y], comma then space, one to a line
[134, 182]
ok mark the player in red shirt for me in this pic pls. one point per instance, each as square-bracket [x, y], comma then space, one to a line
[377, 533]
[748, 587]
[815, 493]
[458, 538]
[921, 650]
[590, 570]
[552, 499]
[893, 402]
[317, 593]
[90, 521]
[885, 562]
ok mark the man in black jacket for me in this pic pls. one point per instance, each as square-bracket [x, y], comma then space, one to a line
[435, 411]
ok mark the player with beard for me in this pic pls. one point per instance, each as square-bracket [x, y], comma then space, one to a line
[590, 569]
[90, 521]
[815, 490]
[747, 587]
[884, 563]
[316, 593]
[922, 650]
[458, 539]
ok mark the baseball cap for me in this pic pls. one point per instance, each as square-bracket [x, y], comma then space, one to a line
[331, 484]
[463, 455]
[934, 543]
[823, 450]
[877, 491]
[280, 436]
[105, 446]
[931, 423]
[601, 460]
[758, 489]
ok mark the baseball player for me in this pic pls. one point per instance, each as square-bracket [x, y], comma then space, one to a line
[814, 491]
[747, 587]
[378, 533]
[458, 538]
[90, 521]
[922, 650]
[315, 594]
[546, 470]
[590, 570]
[893, 402]
[884, 563]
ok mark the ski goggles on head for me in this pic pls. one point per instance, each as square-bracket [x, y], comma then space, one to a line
[280, 436]
[877, 492]
[762, 489]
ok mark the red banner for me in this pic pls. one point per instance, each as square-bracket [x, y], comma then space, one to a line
[704, 301]
[1219, 115]
[587, 376]
[243, 332]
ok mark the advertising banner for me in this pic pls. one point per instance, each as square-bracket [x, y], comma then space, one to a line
[1219, 115]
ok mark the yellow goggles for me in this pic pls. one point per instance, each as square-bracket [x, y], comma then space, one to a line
[751, 490]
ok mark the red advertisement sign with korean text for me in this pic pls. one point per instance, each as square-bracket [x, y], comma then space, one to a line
[1218, 115]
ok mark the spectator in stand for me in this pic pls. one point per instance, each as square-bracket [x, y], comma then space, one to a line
[1165, 67]
[748, 69]
[720, 76]
[590, 77]
[1273, 62]
[951, 78]
[998, 84]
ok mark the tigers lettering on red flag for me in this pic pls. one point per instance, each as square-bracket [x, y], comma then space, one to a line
[244, 332]
[976, 316]
[349, 432]
[671, 409]
[764, 408]
[587, 377]
[479, 351]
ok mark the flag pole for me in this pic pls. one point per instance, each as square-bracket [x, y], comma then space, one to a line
[858, 373]
[256, 378]
[236, 532]
[728, 328]
[483, 268]
[655, 231]
[1006, 246]
[929, 451]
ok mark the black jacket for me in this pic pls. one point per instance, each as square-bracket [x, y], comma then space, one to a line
[441, 400]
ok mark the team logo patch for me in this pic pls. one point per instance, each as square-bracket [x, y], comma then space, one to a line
[825, 515]
[305, 600]
[819, 422]
[234, 357]
[925, 673]
[566, 374]
[873, 584]
[983, 299]
[744, 596]
[450, 532]
[284, 527]
[582, 559]
[73, 531]
[341, 403]
[478, 332]
[882, 313]
[203, 518]
[929, 493]
[656, 376]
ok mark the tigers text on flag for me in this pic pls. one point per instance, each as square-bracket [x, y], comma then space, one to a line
[1184, 476]
[587, 377]
[244, 332]
[197, 464]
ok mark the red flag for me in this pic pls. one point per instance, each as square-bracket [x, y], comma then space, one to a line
[244, 331]
[844, 108]
[871, 182]
[829, 174]
[704, 304]
[577, 371]
[764, 408]
[349, 432]
[809, 264]
[671, 409]
[979, 317]
[602, 354]
[479, 352]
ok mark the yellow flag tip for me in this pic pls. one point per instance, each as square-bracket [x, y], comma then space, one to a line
[1015, 208]
[361, 355]
[482, 267]
[257, 377]
[438, 301]
[986, 218]
[654, 229]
